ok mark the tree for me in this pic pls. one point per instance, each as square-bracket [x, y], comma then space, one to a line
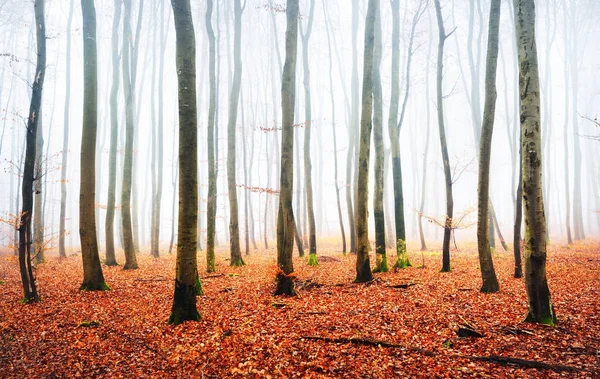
[335, 160]
[443, 144]
[211, 201]
[285, 215]
[186, 276]
[234, 228]
[30, 293]
[363, 268]
[381, 264]
[114, 136]
[312, 239]
[541, 309]
[130, 258]
[93, 279]
[490, 282]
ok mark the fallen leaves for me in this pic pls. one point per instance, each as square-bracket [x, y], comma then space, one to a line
[243, 333]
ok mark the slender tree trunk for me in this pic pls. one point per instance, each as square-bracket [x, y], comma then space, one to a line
[38, 214]
[186, 276]
[234, 228]
[114, 136]
[353, 130]
[488, 274]
[126, 211]
[381, 264]
[30, 293]
[363, 268]
[541, 309]
[211, 202]
[333, 126]
[93, 279]
[285, 216]
[566, 130]
[312, 238]
[443, 144]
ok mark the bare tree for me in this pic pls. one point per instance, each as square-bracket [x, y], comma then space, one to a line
[211, 201]
[541, 309]
[186, 276]
[93, 279]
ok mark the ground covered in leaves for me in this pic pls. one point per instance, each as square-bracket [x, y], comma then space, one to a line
[402, 324]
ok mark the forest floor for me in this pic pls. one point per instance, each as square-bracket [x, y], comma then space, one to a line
[374, 330]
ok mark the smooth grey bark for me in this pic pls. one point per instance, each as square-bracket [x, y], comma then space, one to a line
[234, 228]
[186, 271]
[93, 279]
[381, 264]
[353, 131]
[308, 185]
[38, 214]
[333, 126]
[285, 216]
[566, 128]
[443, 144]
[484, 213]
[211, 201]
[541, 309]
[363, 268]
[126, 189]
[114, 136]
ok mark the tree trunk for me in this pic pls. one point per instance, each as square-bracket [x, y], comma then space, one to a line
[211, 201]
[488, 274]
[186, 276]
[38, 214]
[285, 216]
[312, 239]
[363, 268]
[93, 279]
[443, 144]
[353, 130]
[381, 264]
[25, 235]
[126, 189]
[566, 132]
[538, 293]
[114, 135]
[234, 228]
[333, 126]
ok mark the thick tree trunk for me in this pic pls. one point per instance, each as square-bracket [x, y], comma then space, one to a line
[30, 293]
[381, 264]
[211, 201]
[186, 276]
[285, 216]
[234, 228]
[538, 293]
[443, 144]
[310, 214]
[93, 279]
[363, 267]
[114, 135]
[488, 274]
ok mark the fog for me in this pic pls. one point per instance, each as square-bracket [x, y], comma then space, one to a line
[569, 60]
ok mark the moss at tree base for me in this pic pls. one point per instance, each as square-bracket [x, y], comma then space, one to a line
[89, 286]
[312, 260]
[381, 264]
[239, 262]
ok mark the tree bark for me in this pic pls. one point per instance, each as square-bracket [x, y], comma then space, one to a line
[381, 264]
[211, 201]
[126, 189]
[30, 293]
[234, 228]
[114, 135]
[443, 144]
[93, 279]
[363, 268]
[285, 215]
[541, 309]
[186, 276]
[312, 238]
[488, 274]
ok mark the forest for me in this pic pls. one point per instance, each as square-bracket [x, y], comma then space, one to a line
[299, 188]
